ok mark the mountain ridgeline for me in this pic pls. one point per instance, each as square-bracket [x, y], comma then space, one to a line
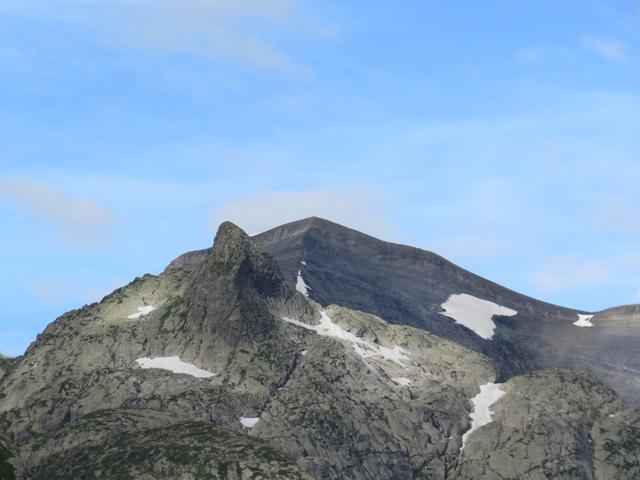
[313, 351]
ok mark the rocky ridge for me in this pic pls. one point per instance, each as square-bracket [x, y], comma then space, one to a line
[295, 388]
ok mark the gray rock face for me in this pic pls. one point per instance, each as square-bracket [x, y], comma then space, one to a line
[6, 365]
[406, 285]
[616, 442]
[542, 429]
[343, 416]
[283, 386]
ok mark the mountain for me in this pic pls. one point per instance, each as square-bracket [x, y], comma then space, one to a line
[409, 286]
[315, 352]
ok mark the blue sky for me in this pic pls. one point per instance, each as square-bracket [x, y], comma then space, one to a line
[500, 134]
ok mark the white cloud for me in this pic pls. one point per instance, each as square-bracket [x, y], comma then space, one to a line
[80, 222]
[358, 208]
[240, 32]
[566, 273]
[612, 50]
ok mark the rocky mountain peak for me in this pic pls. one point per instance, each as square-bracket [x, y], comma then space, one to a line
[313, 343]
[231, 241]
[236, 265]
[309, 226]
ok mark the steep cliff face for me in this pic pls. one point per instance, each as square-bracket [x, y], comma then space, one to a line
[224, 367]
[7, 364]
[229, 316]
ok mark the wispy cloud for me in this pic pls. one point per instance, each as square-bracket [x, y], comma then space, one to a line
[359, 208]
[611, 50]
[241, 32]
[566, 273]
[80, 222]
[537, 54]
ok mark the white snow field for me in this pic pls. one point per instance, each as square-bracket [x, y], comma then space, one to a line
[249, 422]
[301, 286]
[475, 313]
[482, 414]
[583, 321]
[175, 365]
[327, 328]
[142, 311]
[405, 382]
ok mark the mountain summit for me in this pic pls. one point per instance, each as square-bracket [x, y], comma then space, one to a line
[409, 286]
[315, 351]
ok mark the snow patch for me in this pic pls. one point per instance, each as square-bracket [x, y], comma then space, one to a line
[405, 382]
[475, 313]
[142, 311]
[301, 286]
[365, 349]
[299, 323]
[249, 422]
[175, 365]
[583, 321]
[482, 414]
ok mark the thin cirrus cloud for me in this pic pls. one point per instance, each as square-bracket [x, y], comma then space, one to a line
[615, 51]
[239, 32]
[79, 222]
[611, 50]
[567, 273]
[359, 208]
[538, 54]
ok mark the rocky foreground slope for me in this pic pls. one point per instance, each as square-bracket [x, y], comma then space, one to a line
[221, 368]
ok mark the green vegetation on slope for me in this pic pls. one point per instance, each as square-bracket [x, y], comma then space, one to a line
[194, 451]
